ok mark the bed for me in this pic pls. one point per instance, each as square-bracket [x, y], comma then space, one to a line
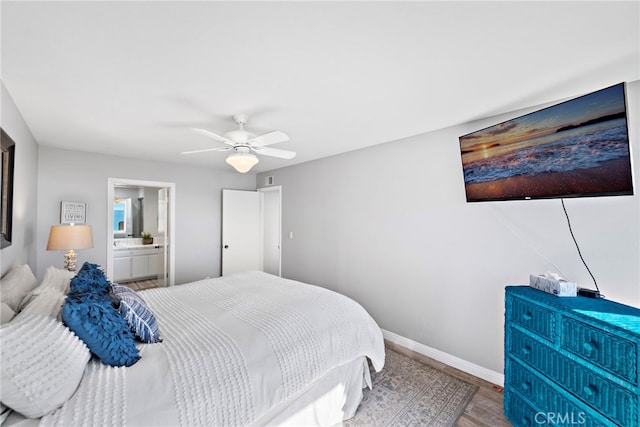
[245, 349]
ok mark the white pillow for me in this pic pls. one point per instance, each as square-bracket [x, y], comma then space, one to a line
[4, 413]
[16, 284]
[54, 278]
[6, 313]
[57, 278]
[42, 364]
[47, 302]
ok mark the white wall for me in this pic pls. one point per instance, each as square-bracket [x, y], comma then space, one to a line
[23, 245]
[80, 176]
[390, 227]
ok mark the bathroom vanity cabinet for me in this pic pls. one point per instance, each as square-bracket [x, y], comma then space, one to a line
[135, 263]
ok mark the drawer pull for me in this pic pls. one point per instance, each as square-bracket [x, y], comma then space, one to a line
[527, 316]
[589, 390]
[590, 346]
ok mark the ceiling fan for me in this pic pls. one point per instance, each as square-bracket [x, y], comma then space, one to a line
[244, 143]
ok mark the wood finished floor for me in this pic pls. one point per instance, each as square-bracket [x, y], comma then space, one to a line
[484, 410]
[141, 285]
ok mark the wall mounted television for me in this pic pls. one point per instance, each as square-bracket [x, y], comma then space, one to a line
[578, 148]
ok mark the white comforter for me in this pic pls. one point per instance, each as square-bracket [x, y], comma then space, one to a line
[233, 348]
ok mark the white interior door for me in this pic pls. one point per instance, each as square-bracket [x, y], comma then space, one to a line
[271, 236]
[163, 226]
[241, 231]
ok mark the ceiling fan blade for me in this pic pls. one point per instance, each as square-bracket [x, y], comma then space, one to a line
[207, 149]
[213, 135]
[274, 152]
[269, 138]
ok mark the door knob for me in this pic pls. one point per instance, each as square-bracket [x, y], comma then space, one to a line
[226, 246]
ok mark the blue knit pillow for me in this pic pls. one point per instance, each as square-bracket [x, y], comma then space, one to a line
[96, 322]
[138, 315]
[89, 280]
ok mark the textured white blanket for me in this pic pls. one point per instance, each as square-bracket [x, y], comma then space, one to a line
[233, 348]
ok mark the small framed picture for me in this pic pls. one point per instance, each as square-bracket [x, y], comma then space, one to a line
[73, 212]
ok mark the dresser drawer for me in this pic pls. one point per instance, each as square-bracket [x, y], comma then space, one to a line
[533, 317]
[544, 395]
[519, 412]
[612, 401]
[612, 353]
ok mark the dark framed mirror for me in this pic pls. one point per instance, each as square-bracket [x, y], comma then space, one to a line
[8, 158]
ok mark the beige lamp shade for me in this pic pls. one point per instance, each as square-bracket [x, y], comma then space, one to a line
[65, 237]
[68, 238]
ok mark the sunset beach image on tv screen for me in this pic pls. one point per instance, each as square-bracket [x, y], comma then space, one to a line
[577, 148]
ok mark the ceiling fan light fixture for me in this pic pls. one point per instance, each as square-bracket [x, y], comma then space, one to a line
[242, 162]
[244, 143]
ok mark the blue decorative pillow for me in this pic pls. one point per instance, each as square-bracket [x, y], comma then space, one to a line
[89, 280]
[96, 322]
[138, 315]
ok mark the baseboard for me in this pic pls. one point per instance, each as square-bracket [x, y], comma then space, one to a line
[441, 356]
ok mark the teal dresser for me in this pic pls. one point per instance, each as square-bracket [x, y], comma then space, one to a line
[570, 361]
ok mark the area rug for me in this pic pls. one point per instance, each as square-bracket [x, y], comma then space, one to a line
[409, 393]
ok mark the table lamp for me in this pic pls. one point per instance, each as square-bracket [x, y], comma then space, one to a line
[69, 238]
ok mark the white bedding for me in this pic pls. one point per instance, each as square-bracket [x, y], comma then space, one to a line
[246, 349]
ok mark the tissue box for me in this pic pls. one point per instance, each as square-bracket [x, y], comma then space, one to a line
[556, 287]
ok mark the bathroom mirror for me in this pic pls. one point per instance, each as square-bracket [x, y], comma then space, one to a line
[135, 209]
[122, 218]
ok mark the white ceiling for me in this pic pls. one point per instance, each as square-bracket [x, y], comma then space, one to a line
[131, 78]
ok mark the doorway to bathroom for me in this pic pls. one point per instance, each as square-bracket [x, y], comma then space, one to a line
[140, 232]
